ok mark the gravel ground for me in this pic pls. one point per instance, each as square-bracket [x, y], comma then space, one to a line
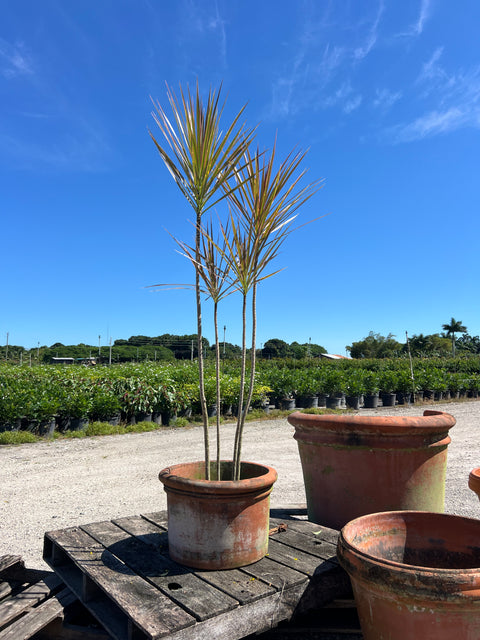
[57, 484]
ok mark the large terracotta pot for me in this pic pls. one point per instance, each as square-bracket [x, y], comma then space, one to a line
[414, 575]
[218, 524]
[474, 481]
[354, 465]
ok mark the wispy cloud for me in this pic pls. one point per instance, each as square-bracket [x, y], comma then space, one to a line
[384, 99]
[14, 60]
[417, 27]
[371, 39]
[352, 105]
[203, 23]
[85, 150]
[456, 97]
[344, 97]
[433, 123]
[431, 69]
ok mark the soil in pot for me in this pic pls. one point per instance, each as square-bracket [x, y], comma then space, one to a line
[414, 575]
[218, 524]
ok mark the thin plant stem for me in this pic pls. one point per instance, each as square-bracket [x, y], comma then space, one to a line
[201, 377]
[217, 371]
[243, 413]
[238, 431]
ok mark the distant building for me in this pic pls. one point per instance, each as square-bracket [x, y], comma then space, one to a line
[63, 360]
[333, 356]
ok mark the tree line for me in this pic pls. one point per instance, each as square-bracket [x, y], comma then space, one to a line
[454, 340]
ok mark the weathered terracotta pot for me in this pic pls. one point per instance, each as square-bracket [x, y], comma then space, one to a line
[474, 481]
[354, 465]
[218, 524]
[414, 575]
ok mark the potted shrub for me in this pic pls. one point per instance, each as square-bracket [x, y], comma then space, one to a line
[372, 389]
[306, 386]
[105, 405]
[209, 165]
[405, 386]
[355, 388]
[40, 409]
[335, 387]
[388, 386]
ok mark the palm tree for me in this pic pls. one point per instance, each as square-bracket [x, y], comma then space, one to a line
[455, 326]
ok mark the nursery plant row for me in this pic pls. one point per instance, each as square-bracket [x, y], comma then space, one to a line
[31, 397]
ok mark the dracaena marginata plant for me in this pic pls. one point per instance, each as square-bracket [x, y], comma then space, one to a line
[262, 213]
[201, 158]
[262, 204]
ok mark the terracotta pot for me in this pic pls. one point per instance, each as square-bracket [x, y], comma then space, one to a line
[474, 481]
[414, 575]
[356, 464]
[218, 524]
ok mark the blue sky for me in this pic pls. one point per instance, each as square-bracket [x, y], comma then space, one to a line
[385, 95]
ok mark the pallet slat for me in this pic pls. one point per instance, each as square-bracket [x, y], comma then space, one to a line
[199, 599]
[145, 611]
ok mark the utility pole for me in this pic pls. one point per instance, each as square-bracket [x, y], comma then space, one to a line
[191, 352]
[6, 349]
[110, 354]
[99, 345]
[224, 330]
[38, 351]
[411, 368]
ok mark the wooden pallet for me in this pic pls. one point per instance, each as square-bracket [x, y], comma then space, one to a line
[121, 572]
[36, 604]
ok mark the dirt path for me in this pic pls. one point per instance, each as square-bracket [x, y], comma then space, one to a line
[59, 484]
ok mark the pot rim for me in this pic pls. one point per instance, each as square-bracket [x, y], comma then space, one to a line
[430, 422]
[171, 477]
[474, 480]
[345, 546]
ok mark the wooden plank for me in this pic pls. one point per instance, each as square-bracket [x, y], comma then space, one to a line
[152, 613]
[239, 584]
[8, 561]
[308, 542]
[251, 618]
[295, 558]
[160, 518]
[12, 608]
[305, 526]
[197, 597]
[146, 531]
[275, 574]
[37, 618]
[290, 511]
[5, 590]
